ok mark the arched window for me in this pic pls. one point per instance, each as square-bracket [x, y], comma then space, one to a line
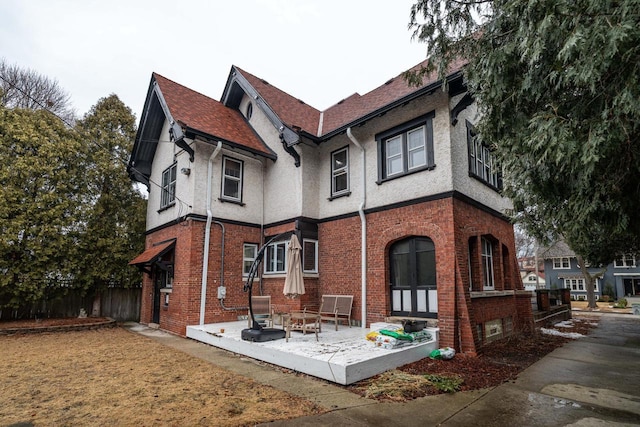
[413, 278]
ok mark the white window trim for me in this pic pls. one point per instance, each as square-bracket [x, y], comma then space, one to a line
[339, 172]
[315, 263]
[270, 265]
[560, 265]
[226, 177]
[624, 261]
[575, 283]
[168, 189]
[245, 259]
[488, 282]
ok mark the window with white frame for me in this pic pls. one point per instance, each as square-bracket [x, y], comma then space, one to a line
[232, 179]
[309, 256]
[487, 264]
[406, 148]
[482, 162]
[168, 192]
[340, 172]
[249, 252]
[579, 285]
[625, 261]
[562, 263]
[275, 260]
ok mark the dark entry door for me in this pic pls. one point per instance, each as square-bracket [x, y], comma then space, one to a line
[631, 287]
[413, 278]
[158, 284]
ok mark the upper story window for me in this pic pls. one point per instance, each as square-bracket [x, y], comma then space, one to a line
[309, 256]
[406, 149]
[487, 264]
[249, 253]
[561, 263]
[275, 260]
[249, 112]
[168, 192]
[232, 179]
[482, 163]
[340, 172]
[625, 261]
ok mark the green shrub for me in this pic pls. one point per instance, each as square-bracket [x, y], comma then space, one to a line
[445, 384]
[622, 303]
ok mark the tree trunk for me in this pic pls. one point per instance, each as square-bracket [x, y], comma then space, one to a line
[589, 282]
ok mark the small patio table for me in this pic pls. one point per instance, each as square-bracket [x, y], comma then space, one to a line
[304, 321]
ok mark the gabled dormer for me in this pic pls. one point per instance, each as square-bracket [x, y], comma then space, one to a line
[189, 116]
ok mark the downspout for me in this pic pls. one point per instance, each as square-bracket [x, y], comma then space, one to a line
[363, 222]
[207, 233]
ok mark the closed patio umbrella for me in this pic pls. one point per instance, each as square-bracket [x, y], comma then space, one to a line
[293, 284]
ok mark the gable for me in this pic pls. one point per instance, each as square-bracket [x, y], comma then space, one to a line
[190, 114]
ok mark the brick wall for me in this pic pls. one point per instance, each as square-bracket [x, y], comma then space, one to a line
[450, 223]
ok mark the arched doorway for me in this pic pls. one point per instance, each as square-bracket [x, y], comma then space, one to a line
[412, 264]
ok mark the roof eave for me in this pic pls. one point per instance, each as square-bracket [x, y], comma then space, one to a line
[428, 89]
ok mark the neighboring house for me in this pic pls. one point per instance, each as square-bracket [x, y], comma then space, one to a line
[532, 280]
[620, 278]
[392, 198]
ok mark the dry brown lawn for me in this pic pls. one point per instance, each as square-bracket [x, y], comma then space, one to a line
[111, 377]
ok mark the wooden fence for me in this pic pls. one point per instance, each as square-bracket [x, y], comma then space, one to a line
[121, 304]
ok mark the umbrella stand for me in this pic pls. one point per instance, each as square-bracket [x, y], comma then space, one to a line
[256, 332]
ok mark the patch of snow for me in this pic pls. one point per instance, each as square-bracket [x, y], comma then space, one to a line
[571, 335]
[564, 324]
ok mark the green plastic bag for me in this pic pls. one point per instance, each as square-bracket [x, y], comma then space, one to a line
[435, 354]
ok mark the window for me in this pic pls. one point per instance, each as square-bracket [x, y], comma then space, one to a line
[406, 148]
[579, 285]
[482, 164]
[625, 261]
[249, 111]
[276, 257]
[309, 256]
[232, 179]
[168, 195]
[340, 172]
[487, 264]
[249, 252]
[561, 263]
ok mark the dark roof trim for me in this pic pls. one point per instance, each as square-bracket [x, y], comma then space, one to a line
[466, 100]
[413, 95]
[175, 130]
[192, 133]
[287, 135]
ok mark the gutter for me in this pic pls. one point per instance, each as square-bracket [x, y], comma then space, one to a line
[207, 235]
[363, 222]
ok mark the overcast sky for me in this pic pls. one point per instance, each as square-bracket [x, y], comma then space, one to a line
[320, 51]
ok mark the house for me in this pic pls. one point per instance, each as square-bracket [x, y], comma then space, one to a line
[617, 280]
[392, 198]
[532, 279]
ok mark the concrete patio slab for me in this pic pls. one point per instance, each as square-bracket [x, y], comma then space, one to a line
[343, 357]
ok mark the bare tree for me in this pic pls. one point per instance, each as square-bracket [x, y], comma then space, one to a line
[25, 88]
[525, 244]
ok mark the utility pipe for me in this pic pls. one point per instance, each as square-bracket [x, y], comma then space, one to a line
[207, 233]
[363, 222]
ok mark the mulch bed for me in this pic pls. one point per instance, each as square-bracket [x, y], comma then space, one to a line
[498, 362]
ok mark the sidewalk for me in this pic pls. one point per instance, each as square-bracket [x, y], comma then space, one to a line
[593, 381]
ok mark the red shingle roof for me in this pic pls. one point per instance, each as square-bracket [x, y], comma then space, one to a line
[292, 111]
[150, 254]
[199, 112]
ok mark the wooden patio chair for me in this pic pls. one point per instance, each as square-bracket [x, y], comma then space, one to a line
[262, 311]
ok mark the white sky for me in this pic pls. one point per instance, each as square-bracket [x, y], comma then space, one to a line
[320, 51]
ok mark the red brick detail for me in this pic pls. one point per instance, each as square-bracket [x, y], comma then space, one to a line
[450, 223]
